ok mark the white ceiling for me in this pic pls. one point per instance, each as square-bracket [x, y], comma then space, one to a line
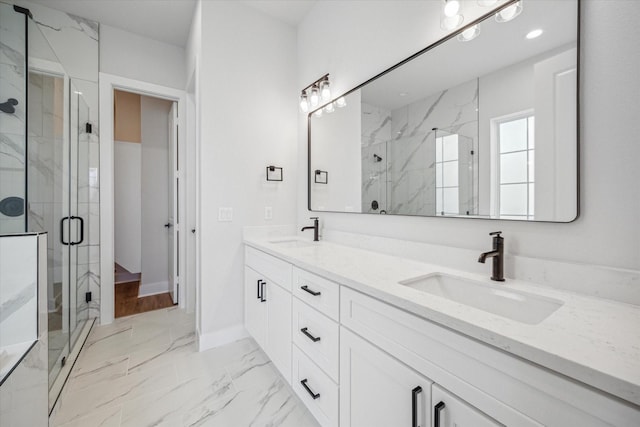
[167, 20]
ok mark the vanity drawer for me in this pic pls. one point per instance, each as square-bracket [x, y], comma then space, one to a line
[318, 392]
[318, 292]
[317, 336]
[275, 269]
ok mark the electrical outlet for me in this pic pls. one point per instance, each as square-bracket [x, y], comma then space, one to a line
[225, 214]
[268, 213]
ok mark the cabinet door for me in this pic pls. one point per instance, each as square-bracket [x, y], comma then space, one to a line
[378, 390]
[451, 411]
[255, 310]
[278, 346]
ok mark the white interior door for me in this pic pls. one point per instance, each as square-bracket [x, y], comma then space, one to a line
[174, 214]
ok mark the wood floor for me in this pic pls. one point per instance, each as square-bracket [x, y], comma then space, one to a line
[127, 301]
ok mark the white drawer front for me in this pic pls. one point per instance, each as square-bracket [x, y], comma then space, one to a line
[318, 336]
[272, 268]
[318, 292]
[324, 406]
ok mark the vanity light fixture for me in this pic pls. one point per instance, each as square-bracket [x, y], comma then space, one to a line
[450, 8]
[341, 102]
[329, 108]
[487, 3]
[534, 34]
[312, 95]
[509, 13]
[318, 112]
[470, 33]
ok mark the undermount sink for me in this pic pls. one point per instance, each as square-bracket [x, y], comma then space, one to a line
[515, 305]
[291, 243]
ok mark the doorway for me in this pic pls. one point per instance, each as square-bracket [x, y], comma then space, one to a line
[146, 232]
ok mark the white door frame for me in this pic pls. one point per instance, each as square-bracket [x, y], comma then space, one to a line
[108, 83]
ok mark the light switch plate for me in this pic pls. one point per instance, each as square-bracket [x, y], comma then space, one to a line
[225, 214]
[268, 213]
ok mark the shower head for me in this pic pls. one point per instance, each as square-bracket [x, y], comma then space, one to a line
[377, 158]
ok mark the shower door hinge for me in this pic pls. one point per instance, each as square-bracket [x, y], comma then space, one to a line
[87, 297]
[63, 361]
[88, 128]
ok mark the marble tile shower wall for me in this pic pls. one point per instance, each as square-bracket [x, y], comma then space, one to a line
[12, 126]
[376, 132]
[406, 135]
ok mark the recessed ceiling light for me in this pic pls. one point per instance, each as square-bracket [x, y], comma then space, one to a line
[403, 94]
[533, 34]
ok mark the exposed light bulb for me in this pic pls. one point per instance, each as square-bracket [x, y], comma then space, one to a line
[486, 3]
[449, 23]
[509, 13]
[469, 34]
[329, 108]
[451, 8]
[304, 102]
[315, 96]
[325, 91]
[318, 113]
[341, 102]
[533, 34]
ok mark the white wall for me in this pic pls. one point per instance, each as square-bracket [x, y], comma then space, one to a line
[127, 207]
[607, 232]
[136, 57]
[154, 129]
[248, 105]
[337, 149]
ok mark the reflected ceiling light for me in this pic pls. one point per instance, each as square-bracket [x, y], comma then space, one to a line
[470, 33]
[486, 3]
[318, 112]
[450, 22]
[509, 13]
[450, 8]
[341, 102]
[403, 94]
[534, 34]
[329, 108]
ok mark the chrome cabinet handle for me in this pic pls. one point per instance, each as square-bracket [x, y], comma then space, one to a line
[311, 337]
[306, 387]
[306, 289]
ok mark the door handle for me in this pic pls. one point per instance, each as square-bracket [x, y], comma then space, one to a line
[414, 406]
[311, 337]
[62, 230]
[168, 225]
[306, 387]
[81, 230]
[436, 413]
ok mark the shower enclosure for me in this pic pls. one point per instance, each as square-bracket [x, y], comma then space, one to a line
[46, 181]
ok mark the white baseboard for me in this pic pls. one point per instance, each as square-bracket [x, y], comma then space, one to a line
[147, 289]
[222, 337]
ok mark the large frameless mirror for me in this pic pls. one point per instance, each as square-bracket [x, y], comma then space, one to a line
[482, 124]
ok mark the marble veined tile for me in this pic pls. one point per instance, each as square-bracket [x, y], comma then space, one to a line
[115, 392]
[85, 377]
[107, 417]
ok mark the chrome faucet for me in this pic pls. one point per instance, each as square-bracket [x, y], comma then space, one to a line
[497, 272]
[314, 227]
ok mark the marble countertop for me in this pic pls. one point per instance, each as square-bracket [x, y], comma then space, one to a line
[594, 341]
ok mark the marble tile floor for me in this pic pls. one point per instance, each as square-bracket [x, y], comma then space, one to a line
[145, 370]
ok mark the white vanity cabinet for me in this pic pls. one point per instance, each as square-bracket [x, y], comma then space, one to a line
[377, 390]
[357, 361]
[267, 306]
